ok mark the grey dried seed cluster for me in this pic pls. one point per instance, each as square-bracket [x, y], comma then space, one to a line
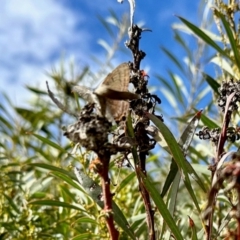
[227, 88]
[212, 134]
[232, 133]
[91, 130]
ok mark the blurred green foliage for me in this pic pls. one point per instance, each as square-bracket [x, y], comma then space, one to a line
[40, 195]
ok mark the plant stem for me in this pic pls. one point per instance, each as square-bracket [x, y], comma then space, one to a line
[107, 196]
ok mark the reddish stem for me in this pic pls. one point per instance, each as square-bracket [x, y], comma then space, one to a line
[146, 197]
[107, 196]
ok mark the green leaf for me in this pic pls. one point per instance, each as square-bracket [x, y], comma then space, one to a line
[161, 206]
[208, 122]
[38, 195]
[212, 83]
[125, 182]
[182, 42]
[183, 28]
[53, 168]
[189, 132]
[177, 155]
[172, 199]
[204, 37]
[224, 65]
[67, 179]
[12, 203]
[165, 82]
[48, 142]
[185, 141]
[85, 236]
[173, 58]
[36, 90]
[178, 90]
[122, 221]
[106, 25]
[170, 177]
[232, 41]
[56, 204]
[6, 123]
[85, 220]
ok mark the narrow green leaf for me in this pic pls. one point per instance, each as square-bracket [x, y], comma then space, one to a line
[161, 206]
[172, 197]
[225, 222]
[85, 236]
[232, 41]
[5, 107]
[208, 122]
[38, 195]
[56, 204]
[12, 203]
[177, 155]
[185, 141]
[184, 45]
[6, 123]
[105, 45]
[26, 114]
[224, 65]
[178, 90]
[69, 180]
[106, 25]
[188, 133]
[48, 142]
[212, 82]
[183, 28]
[39, 151]
[173, 58]
[83, 73]
[85, 220]
[170, 177]
[125, 182]
[67, 194]
[130, 130]
[165, 82]
[122, 221]
[36, 90]
[53, 168]
[204, 37]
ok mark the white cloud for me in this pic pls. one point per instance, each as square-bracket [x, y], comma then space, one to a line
[33, 36]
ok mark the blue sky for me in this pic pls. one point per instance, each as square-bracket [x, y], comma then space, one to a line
[34, 35]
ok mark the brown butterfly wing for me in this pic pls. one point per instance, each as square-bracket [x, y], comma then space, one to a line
[118, 80]
[118, 109]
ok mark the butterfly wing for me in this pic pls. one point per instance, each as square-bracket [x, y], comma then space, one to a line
[118, 109]
[118, 80]
[84, 92]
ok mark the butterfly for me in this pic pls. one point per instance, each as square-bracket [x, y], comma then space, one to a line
[111, 95]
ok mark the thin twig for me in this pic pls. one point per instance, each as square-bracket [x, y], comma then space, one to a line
[219, 152]
[140, 128]
[59, 104]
